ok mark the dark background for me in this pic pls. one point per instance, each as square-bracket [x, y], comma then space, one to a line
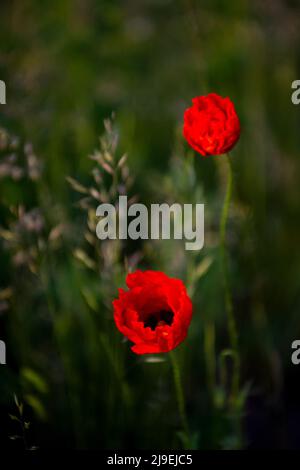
[67, 66]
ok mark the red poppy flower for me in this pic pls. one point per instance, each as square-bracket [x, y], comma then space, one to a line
[211, 125]
[154, 313]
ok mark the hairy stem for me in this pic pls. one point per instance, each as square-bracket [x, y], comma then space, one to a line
[179, 394]
[232, 329]
[209, 350]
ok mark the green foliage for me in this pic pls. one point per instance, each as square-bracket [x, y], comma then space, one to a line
[67, 66]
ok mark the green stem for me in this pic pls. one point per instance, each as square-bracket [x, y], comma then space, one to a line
[232, 329]
[179, 394]
[209, 350]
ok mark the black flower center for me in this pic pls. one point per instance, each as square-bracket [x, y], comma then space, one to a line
[161, 318]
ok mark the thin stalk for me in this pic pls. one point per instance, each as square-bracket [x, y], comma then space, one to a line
[209, 349]
[232, 329]
[179, 394]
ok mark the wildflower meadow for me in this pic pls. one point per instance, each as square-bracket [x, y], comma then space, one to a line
[149, 220]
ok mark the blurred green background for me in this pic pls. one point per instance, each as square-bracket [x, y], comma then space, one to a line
[67, 66]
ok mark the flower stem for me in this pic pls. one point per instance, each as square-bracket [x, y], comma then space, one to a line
[209, 350]
[179, 394]
[232, 329]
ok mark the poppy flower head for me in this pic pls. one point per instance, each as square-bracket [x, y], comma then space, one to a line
[211, 125]
[154, 313]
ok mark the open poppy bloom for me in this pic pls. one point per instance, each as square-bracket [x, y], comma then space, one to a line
[155, 313]
[211, 125]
